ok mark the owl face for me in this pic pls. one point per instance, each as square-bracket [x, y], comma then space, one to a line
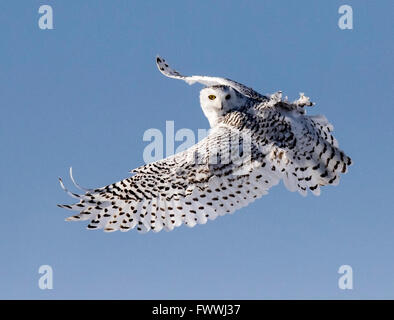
[216, 101]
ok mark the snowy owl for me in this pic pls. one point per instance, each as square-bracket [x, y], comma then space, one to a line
[209, 179]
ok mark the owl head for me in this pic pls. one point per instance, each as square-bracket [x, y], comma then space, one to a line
[216, 101]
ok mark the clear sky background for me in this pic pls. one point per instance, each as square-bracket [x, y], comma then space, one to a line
[83, 95]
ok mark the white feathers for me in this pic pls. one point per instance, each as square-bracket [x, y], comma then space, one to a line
[166, 70]
[254, 143]
[303, 101]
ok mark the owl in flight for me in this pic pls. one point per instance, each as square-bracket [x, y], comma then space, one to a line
[254, 142]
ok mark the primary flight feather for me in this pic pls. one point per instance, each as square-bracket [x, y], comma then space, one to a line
[254, 142]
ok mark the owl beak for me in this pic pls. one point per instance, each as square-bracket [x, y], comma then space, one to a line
[221, 106]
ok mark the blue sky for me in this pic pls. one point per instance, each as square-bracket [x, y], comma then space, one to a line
[83, 94]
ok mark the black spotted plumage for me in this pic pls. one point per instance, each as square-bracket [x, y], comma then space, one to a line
[252, 146]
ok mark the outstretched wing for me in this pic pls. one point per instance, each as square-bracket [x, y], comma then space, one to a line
[217, 175]
[208, 81]
[210, 179]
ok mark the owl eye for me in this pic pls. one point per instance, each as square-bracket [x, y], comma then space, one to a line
[228, 97]
[212, 97]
